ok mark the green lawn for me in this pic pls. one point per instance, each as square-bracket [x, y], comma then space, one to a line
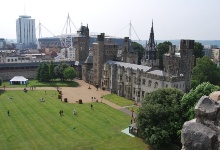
[35, 83]
[37, 125]
[118, 100]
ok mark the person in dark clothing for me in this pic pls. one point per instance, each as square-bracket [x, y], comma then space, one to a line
[8, 113]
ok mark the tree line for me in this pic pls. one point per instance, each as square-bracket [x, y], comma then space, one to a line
[48, 72]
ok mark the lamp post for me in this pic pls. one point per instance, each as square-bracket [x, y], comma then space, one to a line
[4, 87]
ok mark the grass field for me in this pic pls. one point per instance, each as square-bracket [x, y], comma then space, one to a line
[121, 101]
[37, 125]
[35, 83]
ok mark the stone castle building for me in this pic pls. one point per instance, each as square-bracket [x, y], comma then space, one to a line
[114, 67]
[122, 75]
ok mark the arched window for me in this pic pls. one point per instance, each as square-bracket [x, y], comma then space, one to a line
[143, 81]
[149, 83]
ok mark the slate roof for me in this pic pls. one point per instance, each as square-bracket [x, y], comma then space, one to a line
[158, 72]
[129, 65]
[89, 59]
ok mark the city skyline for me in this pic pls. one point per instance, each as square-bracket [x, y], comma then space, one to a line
[173, 19]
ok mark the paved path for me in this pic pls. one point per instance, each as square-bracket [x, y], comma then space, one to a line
[73, 94]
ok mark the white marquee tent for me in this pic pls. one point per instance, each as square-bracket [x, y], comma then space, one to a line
[19, 80]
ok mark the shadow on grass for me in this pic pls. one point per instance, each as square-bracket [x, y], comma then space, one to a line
[167, 147]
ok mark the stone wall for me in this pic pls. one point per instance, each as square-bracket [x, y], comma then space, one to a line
[9, 74]
[203, 132]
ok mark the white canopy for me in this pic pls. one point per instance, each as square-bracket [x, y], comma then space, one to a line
[19, 80]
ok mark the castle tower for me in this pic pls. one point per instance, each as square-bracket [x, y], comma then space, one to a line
[98, 58]
[128, 54]
[150, 56]
[186, 61]
[170, 62]
[81, 42]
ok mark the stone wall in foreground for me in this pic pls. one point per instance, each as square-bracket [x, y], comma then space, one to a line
[203, 132]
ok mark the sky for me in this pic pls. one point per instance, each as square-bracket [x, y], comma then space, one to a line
[172, 19]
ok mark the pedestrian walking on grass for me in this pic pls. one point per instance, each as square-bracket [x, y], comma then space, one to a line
[91, 106]
[8, 113]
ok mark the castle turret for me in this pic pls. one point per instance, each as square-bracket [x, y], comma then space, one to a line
[98, 56]
[81, 42]
[187, 61]
[128, 54]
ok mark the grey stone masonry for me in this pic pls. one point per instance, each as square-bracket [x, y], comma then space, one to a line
[203, 132]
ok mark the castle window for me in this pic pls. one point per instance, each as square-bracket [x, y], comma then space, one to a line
[12, 60]
[138, 93]
[143, 93]
[8, 60]
[155, 85]
[166, 85]
[143, 81]
[120, 77]
[139, 81]
[149, 83]
[177, 86]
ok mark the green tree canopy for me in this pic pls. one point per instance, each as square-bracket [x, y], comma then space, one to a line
[38, 76]
[198, 51]
[139, 49]
[59, 70]
[0, 81]
[190, 99]
[44, 73]
[51, 70]
[162, 48]
[160, 117]
[205, 71]
[70, 73]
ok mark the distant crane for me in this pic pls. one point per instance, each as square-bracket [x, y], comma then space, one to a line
[130, 27]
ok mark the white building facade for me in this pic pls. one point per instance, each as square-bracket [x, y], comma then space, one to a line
[25, 30]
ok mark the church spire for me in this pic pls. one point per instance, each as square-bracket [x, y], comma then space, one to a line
[151, 43]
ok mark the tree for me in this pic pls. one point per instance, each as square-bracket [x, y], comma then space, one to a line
[205, 71]
[38, 76]
[139, 49]
[70, 73]
[44, 73]
[51, 70]
[160, 117]
[0, 81]
[198, 51]
[189, 100]
[59, 70]
[162, 48]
